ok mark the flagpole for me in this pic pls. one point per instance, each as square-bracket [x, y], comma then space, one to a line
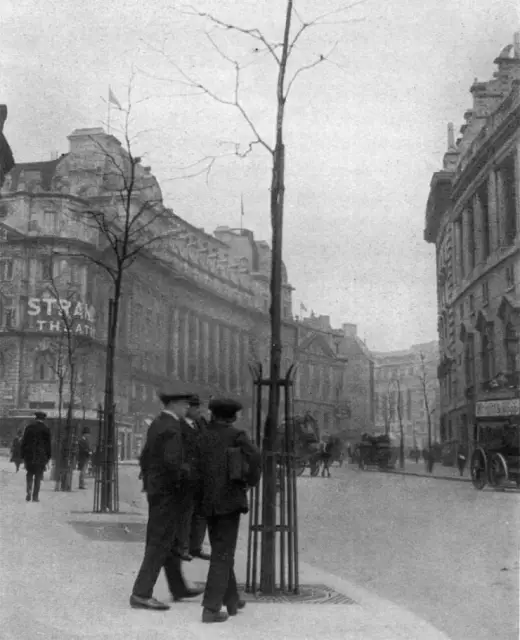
[108, 117]
[241, 210]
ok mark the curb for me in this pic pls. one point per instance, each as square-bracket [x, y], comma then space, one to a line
[379, 607]
[434, 477]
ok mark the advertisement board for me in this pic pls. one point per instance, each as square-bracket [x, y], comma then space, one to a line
[497, 408]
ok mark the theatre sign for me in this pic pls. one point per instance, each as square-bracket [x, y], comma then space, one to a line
[47, 315]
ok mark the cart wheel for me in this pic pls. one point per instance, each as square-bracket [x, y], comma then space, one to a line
[479, 469]
[300, 468]
[498, 472]
[315, 469]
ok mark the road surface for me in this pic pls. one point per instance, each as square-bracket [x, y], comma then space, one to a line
[441, 549]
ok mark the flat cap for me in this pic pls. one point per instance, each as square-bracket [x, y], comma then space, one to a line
[174, 392]
[40, 415]
[194, 401]
[224, 407]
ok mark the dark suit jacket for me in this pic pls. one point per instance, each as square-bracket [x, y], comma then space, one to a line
[219, 495]
[36, 444]
[162, 458]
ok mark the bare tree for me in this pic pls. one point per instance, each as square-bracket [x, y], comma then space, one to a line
[280, 52]
[71, 311]
[127, 229]
[424, 381]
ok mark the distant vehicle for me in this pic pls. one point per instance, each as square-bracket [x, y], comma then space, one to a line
[378, 451]
[496, 459]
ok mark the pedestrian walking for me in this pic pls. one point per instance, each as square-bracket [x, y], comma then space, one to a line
[229, 465]
[16, 449]
[84, 454]
[461, 459]
[196, 532]
[36, 453]
[326, 454]
[167, 478]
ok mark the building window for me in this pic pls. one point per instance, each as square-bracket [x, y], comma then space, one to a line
[485, 233]
[488, 352]
[469, 360]
[45, 366]
[511, 348]
[507, 171]
[47, 269]
[471, 304]
[2, 367]
[471, 234]
[485, 294]
[461, 312]
[408, 404]
[510, 277]
[6, 270]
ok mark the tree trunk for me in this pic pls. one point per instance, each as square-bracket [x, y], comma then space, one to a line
[268, 566]
[109, 418]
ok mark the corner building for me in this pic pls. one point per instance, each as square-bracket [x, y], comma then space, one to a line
[194, 307]
[473, 218]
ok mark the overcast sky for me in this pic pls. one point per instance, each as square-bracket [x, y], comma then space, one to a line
[364, 133]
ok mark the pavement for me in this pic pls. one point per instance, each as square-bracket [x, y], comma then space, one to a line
[440, 472]
[58, 584]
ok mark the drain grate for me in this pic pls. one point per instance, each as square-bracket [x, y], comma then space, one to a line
[308, 594]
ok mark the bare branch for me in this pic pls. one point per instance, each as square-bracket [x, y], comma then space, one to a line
[322, 58]
[252, 33]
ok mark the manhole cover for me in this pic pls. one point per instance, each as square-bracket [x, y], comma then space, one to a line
[111, 531]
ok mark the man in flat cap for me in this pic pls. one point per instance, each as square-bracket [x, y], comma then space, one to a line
[194, 426]
[166, 474]
[35, 451]
[223, 498]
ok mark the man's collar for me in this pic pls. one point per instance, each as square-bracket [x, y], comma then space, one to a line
[170, 413]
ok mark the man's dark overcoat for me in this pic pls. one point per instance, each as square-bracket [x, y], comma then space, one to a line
[36, 446]
[219, 495]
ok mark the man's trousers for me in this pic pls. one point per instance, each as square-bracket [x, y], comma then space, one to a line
[221, 585]
[164, 514]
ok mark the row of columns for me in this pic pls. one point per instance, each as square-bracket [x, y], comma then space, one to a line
[208, 352]
[472, 222]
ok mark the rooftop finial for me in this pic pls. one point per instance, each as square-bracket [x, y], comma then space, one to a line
[451, 137]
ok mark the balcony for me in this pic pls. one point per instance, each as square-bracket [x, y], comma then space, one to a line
[502, 381]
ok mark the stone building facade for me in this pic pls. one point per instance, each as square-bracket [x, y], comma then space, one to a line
[473, 218]
[401, 377]
[335, 375]
[194, 306]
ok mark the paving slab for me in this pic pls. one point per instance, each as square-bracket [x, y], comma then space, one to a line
[58, 582]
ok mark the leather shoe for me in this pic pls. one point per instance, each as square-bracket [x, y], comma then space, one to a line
[234, 608]
[147, 603]
[213, 616]
[189, 593]
[199, 553]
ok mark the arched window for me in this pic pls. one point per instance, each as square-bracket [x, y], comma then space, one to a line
[44, 366]
[511, 348]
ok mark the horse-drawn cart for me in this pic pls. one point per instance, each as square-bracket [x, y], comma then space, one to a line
[496, 460]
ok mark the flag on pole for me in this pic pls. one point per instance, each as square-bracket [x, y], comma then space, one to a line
[112, 99]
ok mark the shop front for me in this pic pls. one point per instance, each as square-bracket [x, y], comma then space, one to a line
[493, 417]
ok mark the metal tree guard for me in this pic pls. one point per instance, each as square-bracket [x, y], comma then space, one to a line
[106, 487]
[287, 512]
[106, 476]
